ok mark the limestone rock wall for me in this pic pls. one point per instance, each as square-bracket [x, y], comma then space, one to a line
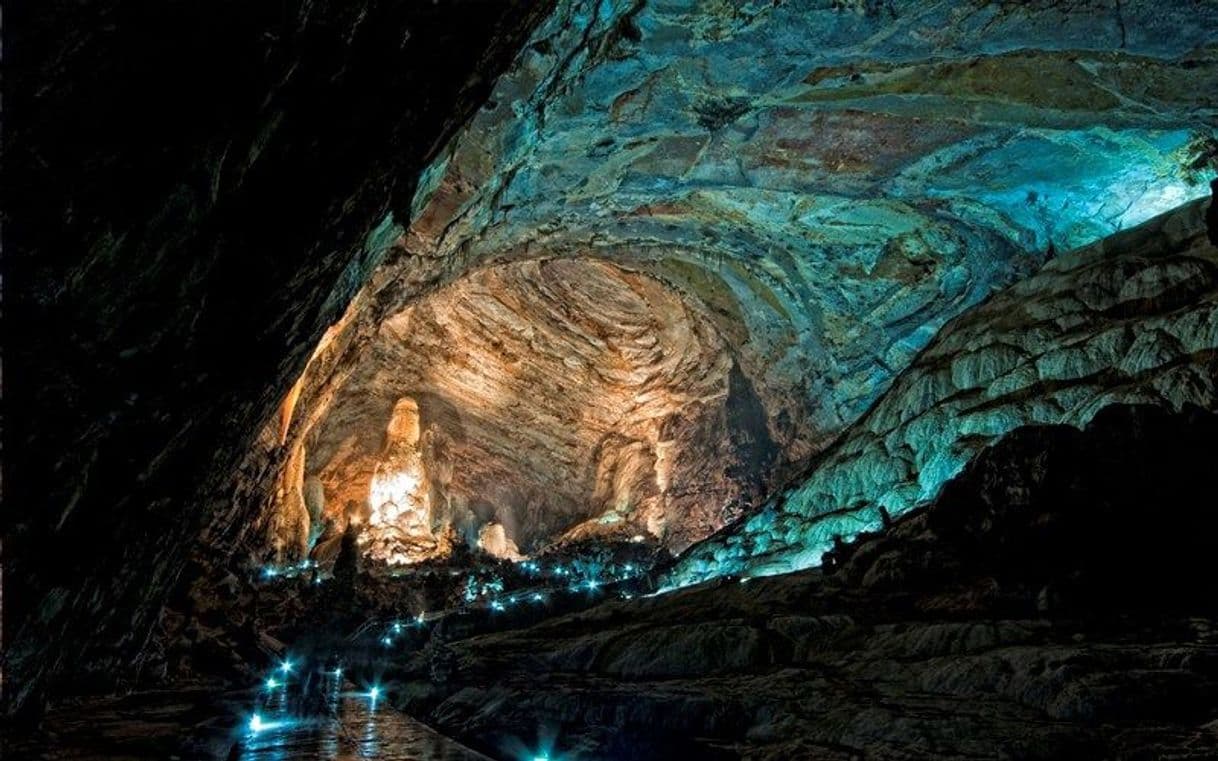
[557, 399]
[826, 183]
[1132, 318]
[207, 200]
[836, 180]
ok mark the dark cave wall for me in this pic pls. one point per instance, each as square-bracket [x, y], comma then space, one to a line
[189, 194]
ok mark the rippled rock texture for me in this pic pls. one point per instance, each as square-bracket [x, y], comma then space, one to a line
[558, 399]
[835, 180]
[821, 185]
[1030, 612]
[1133, 318]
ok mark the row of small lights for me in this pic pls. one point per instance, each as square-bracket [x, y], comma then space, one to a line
[530, 566]
[590, 584]
[279, 678]
[258, 724]
[500, 605]
[397, 628]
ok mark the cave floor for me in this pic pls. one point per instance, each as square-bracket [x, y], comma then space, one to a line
[199, 722]
[784, 668]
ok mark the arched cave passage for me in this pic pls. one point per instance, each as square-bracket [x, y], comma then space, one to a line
[359, 348]
[539, 402]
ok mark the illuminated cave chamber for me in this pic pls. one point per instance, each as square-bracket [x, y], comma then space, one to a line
[541, 402]
[678, 253]
[818, 198]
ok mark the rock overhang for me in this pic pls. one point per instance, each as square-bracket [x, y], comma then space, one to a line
[830, 182]
[864, 170]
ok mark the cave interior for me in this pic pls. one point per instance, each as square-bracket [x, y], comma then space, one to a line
[546, 380]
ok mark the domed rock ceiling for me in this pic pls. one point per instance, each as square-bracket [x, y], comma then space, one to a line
[820, 186]
[563, 397]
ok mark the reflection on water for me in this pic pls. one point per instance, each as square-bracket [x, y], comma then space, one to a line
[356, 728]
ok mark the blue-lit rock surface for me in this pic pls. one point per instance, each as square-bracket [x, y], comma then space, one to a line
[837, 179]
[1131, 319]
[826, 184]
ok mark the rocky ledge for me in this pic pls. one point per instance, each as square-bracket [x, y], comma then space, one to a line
[1044, 606]
[1130, 319]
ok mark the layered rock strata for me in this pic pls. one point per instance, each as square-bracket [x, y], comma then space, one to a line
[831, 180]
[829, 183]
[559, 399]
[1133, 318]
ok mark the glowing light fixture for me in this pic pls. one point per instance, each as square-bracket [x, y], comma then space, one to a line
[256, 723]
[272, 683]
[287, 666]
[373, 693]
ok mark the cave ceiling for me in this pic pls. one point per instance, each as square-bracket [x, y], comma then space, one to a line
[552, 397]
[787, 200]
